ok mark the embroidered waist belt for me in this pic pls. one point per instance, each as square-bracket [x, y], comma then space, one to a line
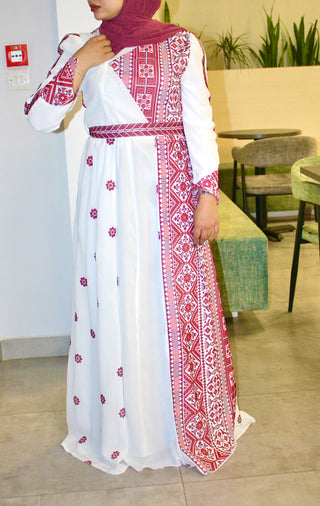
[136, 129]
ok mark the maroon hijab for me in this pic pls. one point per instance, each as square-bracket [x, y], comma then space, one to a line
[134, 26]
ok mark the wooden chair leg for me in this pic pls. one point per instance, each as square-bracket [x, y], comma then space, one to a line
[234, 181]
[296, 253]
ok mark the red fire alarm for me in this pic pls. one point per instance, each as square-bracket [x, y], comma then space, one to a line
[17, 55]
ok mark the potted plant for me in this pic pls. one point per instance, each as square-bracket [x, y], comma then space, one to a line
[304, 50]
[234, 50]
[270, 54]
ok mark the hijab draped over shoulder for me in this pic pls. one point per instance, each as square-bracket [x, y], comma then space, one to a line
[134, 25]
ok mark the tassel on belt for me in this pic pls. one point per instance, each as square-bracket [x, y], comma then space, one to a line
[111, 132]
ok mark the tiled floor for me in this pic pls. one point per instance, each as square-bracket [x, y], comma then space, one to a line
[276, 357]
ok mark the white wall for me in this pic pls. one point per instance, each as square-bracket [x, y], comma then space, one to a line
[35, 252]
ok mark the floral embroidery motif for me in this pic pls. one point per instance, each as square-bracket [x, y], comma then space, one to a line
[78, 358]
[90, 161]
[83, 440]
[94, 214]
[76, 400]
[75, 317]
[239, 419]
[89, 462]
[120, 372]
[110, 141]
[115, 455]
[84, 281]
[92, 333]
[122, 413]
[102, 399]
[110, 185]
[144, 100]
[112, 231]
[146, 70]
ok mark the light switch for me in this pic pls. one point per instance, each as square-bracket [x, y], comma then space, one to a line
[18, 78]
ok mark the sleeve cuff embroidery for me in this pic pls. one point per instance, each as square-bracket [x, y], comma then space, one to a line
[210, 184]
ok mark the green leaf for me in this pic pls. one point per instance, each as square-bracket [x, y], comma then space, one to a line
[166, 13]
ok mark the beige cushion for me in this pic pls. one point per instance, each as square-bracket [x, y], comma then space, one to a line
[268, 184]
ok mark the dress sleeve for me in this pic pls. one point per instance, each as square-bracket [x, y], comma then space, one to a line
[197, 120]
[48, 106]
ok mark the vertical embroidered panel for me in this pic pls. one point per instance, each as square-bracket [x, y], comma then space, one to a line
[203, 386]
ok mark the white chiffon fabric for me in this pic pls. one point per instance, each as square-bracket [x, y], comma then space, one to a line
[119, 399]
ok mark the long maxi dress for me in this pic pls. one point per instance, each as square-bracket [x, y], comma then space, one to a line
[150, 378]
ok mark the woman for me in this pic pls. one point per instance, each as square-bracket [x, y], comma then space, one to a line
[150, 379]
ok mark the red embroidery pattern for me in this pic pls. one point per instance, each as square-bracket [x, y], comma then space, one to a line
[93, 334]
[90, 161]
[210, 184]
[153, 80]
[136, 129]
[78, 358]
[200, 359]
[83, 440]
[76, 400]
[75, 317]
[84, 282]
[122, 413]
[102, 399]
[59, 91]
[120, 372]
[112, 231]
[94, 214]
[115, 455]
[201, 371]
[110, 185]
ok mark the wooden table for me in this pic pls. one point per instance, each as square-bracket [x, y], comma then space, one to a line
[259, 133]
[312, 171]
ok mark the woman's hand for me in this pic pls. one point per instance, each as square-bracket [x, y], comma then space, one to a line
[95, 51]
[205, 219]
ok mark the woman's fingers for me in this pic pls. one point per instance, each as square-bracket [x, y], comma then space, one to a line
[201, 235]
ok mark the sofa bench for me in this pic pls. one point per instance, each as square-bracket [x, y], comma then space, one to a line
[241, 258]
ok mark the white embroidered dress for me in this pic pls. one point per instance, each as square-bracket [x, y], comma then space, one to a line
[150, 380]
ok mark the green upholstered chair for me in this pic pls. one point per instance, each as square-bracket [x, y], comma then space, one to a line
[271, 152]
[306, 190]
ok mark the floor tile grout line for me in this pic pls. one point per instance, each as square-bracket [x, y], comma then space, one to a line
[183, 487]
[255, 476]
[281, 392]
[24, 413]
[127, 487]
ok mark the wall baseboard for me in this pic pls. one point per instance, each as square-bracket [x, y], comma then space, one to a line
[34, 347]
